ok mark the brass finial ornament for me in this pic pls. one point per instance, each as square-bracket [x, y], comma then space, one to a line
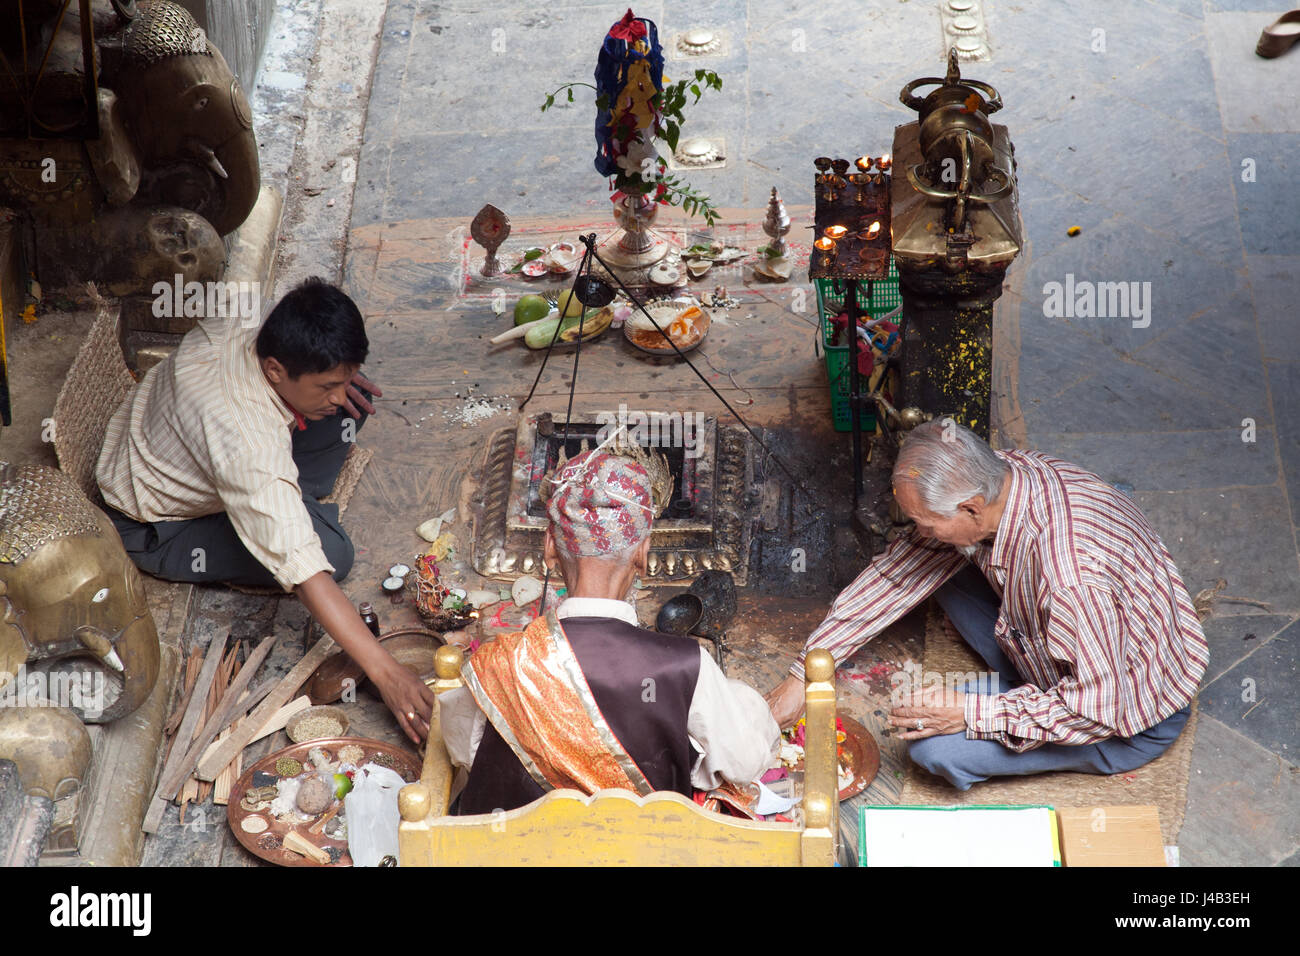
[819, 665]
[447, 662]
[957, 139]
[490, 228]
[776, 225]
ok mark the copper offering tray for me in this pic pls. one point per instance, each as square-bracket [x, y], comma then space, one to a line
[328, 682]
[407, 764]
[861, 753]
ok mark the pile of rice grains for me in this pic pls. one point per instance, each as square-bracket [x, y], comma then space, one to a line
[317, 727]
[308, 798]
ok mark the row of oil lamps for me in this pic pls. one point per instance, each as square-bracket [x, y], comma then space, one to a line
[826, 243]
[831, 176]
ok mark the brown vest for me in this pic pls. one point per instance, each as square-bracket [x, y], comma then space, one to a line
[643, 683]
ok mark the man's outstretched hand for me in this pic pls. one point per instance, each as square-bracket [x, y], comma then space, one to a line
[408, 698]
[786, 701]
[405, 694]
[356, 400]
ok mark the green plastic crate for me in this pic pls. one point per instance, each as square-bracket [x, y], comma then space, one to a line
[830, 302]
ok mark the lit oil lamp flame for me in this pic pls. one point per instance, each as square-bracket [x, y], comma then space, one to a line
[863, 163]
[884, 162]
[835, 232]
[827, 249]
[872, 231]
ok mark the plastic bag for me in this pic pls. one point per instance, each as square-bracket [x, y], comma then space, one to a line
[372, 815]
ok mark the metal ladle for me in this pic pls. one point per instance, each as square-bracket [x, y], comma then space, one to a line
[681, 615]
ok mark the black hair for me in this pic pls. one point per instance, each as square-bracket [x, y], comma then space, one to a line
[315, 327]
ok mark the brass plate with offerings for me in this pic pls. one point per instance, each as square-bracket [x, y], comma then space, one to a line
[321, 837]
[685, 325]
[859, 757]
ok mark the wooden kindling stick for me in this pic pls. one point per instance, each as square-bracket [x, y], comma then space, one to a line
[227, 710]
[181, 741]
[212, 762]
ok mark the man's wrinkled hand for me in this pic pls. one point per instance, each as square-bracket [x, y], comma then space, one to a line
[408, 698]
[355, 399]
[786, 701]
[929, 713]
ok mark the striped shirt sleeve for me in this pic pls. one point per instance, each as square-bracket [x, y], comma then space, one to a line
[1084, 635]
[905, 574]
[266, 508]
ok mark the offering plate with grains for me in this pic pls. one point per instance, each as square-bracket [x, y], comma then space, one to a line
[288, 807]
[316, 723]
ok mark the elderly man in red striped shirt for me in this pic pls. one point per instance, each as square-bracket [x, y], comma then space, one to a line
[1058, 582]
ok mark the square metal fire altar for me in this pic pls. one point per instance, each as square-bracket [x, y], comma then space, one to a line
[704, 526]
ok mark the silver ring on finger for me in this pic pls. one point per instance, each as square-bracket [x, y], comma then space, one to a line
[920, 724]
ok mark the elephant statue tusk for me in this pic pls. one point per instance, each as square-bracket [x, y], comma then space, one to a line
[204, 152]
[99, 645]
[214, 164]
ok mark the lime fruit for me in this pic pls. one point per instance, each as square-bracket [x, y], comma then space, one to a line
[530, 308]
[342, 785]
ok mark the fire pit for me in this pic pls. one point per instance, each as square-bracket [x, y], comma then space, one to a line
[702, 528]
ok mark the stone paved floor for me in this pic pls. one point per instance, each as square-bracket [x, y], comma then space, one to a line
[1173, 149]
[1151, 125]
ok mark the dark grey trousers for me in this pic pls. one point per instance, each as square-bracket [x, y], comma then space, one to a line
[208, 550]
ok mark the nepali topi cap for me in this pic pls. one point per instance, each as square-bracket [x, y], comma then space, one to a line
[600, 504]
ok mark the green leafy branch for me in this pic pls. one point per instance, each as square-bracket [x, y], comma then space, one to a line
[567, 88]
[692, 201]
[671, 101]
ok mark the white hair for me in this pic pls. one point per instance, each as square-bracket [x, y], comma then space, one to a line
[948, 464]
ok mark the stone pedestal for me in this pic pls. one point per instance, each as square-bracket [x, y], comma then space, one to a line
[947, 362]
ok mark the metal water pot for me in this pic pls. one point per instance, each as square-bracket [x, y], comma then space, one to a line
[956, 140]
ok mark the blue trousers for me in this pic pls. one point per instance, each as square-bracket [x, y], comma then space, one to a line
[972, 605]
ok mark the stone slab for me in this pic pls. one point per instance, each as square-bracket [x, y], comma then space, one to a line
[1257, 698]
[1265, 167]
[1242, 535]
[1284, 385]
[1185, 459]
[1243, 803]
[1233, 638]
[1275, 283]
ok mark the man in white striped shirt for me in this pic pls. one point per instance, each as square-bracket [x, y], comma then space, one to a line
[206, 482]
[1058, 582]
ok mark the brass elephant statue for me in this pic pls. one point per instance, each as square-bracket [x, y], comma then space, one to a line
[140, 184]
[75, 628]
